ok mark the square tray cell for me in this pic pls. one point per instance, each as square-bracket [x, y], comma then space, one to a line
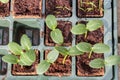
[59, 8]
[58, 68]
[27, 8]
[3, 66]
[4, 9]
[65, 27]
[26, 70]
[32, 31]
[90, 8]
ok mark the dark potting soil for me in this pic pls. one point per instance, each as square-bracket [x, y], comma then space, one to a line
[4, 9]
[83, 68]
[27, 7]
[3, 66]
[26, 70]
[4, 35]
[82, 7]
[65, 27]
[59, 8]
[58, 68]
[32, 33]
[82, 61]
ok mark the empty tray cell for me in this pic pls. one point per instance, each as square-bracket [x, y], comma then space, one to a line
[59, 8]
[27, 8]
[3, 66]
[65, 27]
[4, 9]
[90, 8]
[31, 30]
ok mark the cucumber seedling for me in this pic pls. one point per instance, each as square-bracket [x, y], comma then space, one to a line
[23, 55]
[109, 61]
[97, 48]
[92, 25]
[4, 1]
[55, 34]
[44, 65]
[73, 51]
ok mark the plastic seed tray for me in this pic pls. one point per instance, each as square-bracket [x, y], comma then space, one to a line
[9, 28]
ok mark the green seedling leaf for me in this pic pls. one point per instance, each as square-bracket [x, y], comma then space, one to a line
[100, 48]
[43, 67]
[73, 51]
[25, 42]
[15, 48]
[51, 22]
[62, 50]
[97, 63]
[79, 29]
[94, 25]
[112, 60]
[84, 47]
[52, 56]
[12, 59]
[4, 1]
[57, 36]
[28, 58]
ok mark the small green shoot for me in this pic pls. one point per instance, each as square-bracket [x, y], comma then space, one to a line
[73, 51]
[109, 61]
[44, 65]
[55, 34]
[88, 9]
[92, 25]
[4, 1]
[26, 54]
[63, 8]
[97, 48]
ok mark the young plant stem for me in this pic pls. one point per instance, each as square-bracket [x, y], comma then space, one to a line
[64, 59]
[85, 35]
[90, 54]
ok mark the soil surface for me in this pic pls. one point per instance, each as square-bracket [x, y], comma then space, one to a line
[26, 70]
[84, 9]
[4, 35]
[58, 68]
[83, 68]
[4, 9]
[3, 67]
[33, 34]
[65, 27]
[59, 8]
[27, 7]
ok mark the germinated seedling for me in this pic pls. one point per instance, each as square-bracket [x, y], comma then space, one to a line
[73, 51]
[26, 55]
[45, 64]
[97, 48]
[55, 34]
[92, 25]
[91, 8]
[4, 1]
[109, 61]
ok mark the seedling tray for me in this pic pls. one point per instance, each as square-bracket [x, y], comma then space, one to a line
[110, 38]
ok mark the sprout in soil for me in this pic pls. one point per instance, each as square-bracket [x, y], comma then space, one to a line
[4, 1]
[97, 48]
[44, 65]
[91, 4]
[109, 61]
[22, 55]
[92, 25]
[55, 34]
